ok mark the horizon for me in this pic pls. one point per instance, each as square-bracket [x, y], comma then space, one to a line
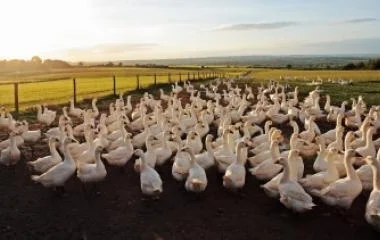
[94, 31]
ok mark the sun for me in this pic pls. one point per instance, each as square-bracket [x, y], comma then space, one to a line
[34, 27]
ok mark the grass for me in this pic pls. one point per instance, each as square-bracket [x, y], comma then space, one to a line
[57, 85]
[308, 75]
[365, 83]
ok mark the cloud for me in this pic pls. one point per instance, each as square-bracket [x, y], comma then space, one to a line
[254, 26]
[112, 48]
[106, 51]
[359, 20]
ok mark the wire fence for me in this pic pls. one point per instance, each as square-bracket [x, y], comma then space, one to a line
[21, 95]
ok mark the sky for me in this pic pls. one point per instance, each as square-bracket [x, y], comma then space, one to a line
[102, 30]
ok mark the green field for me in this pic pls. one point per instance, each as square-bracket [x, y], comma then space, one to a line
[308, 75]
[57, 86]
[365, 83]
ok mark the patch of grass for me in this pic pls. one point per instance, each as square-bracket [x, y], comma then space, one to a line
[308, 75]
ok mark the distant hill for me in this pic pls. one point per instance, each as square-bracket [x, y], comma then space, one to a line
[262, 61]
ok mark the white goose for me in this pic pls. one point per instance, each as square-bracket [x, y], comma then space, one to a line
[296, 168]
[268, 168]
[196, 180]
[43, 164]
[92, 172]
[60, 173]
[372, 213]
[121, 155]
[234, 176]
[292, 195]
[206, 158]
[75, 112]
[343, 191]
[10, 155]
[150, 180]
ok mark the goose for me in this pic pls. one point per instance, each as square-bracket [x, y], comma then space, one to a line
[101, 139]
[224, 155]
[139, 139]
[343, 191]
[43, 164]
[309, 134]
[296, 172]
[276, 135]
[46, 118]
[320, 163]
[369, 148]
[75, 112]
[372, 212]
[30, 136]
[338, 143]
[164, 152]
[206, 158]
[95, 109]
[263, 137]
[364, 172]
[150, 180]
[3, 118]
[202, 128]
[322, 179]
[268, 168]
[66, 115]
[92, 172]
[60, 173]
[163, 96]
[361, 141]
[354, 121]
[234, 176]
[181, 165]
[11, 154]
[278, 118]
[150, 155]
[330, 136]
[121, 155]
[292, 195]
[196, 180]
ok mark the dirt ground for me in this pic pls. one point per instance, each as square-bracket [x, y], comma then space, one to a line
[116, 209]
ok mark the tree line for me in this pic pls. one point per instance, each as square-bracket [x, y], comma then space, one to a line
[372, 64]
[35, 63]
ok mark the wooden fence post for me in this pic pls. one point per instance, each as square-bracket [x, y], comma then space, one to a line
[198, 75]
[114, 85]
[155, 79]
[193, 76]
[180, 78]
[137, 82]
[75, 90]
[16, 98]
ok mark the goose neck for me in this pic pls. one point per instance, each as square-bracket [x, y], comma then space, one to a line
[286, 173]
[351, 174]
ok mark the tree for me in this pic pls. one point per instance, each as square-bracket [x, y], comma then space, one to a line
[120, 64]
[36, 59]
[80, 64]
[289, 66]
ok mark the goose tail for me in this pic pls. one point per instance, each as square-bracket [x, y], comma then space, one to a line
[35, 178]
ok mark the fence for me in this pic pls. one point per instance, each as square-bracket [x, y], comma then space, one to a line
[20, 95]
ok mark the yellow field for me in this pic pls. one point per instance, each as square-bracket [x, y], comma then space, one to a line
[57, 85]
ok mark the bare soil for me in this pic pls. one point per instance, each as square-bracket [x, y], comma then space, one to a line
[116, 209]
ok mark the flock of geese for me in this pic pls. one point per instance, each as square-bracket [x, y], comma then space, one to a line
[247, 123]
